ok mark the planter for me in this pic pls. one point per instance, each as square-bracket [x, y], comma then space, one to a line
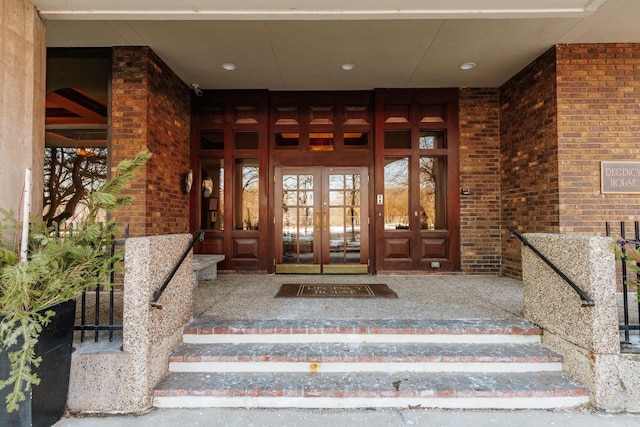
[48, 400]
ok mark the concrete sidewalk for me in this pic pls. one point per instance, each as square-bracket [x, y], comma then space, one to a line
[355, 417]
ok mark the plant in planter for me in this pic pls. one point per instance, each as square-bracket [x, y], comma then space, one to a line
[57, 270]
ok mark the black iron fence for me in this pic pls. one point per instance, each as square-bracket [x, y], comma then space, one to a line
[628, 243]
[100, 309]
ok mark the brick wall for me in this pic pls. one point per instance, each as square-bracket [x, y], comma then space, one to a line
[529, 156]
[480, 173]
[599, 119]
[150, 110]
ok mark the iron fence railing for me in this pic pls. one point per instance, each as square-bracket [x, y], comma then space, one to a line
[627, 241]
[96, 314]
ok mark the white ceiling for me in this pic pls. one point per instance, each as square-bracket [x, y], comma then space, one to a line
[278, 45]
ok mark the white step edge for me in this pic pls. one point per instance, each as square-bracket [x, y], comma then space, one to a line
[251, 366]
[363, 402]
[359, 338]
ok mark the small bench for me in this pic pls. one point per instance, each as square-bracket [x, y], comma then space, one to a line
[206, 266]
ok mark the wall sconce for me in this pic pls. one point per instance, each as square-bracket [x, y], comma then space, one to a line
[187, 181]
[207, 187]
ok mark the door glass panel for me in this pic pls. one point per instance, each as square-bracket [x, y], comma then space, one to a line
[287, 140]
[212, 194]
[306, 182]
[321, 141]
[396, 193]
[430, 140]
[344, 219]
[246, 193]
[306, 198]
[336, 235]
[336, 182]
[297, 219]
[336, 197]
[356, 140]
[321, 220]
[433, 194]
[305, 233]
[352, 246]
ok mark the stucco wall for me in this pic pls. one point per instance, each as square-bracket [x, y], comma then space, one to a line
[22, 95]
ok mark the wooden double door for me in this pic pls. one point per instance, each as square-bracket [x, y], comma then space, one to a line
[321, 220]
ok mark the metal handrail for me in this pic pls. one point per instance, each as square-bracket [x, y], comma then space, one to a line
[588, 302]
[199, 237]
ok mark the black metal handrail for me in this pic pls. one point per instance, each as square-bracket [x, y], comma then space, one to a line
[588, 302]
[199, 237]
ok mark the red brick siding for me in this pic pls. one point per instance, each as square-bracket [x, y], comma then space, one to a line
[150, 110]
[480, 173]
[529, 157]
[599, 119]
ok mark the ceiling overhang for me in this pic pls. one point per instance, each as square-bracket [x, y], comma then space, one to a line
[312, 10]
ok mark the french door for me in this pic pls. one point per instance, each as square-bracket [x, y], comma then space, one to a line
[321, 220]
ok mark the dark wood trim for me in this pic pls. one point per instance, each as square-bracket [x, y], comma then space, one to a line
[215, 111]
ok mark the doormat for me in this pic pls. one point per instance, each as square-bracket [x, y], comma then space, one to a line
[374, 290]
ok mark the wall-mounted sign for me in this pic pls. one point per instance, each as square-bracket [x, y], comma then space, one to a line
[620, 177]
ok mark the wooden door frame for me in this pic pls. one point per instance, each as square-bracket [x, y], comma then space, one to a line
[412, 106]
[321, 206]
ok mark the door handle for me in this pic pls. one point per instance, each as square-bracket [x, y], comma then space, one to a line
[317, 220]
[324, 220]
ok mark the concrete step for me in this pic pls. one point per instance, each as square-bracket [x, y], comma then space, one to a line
[208, 330]
[359, 363]
[359, 357]
[370, 389]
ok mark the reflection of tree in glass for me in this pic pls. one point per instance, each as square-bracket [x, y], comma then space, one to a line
[250, 197]
[396, 192]
[305, 182]
[427, 193]
[68, 179]
[352, 201]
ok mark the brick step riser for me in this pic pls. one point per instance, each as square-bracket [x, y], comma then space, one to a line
[395, 366]
[258, 338]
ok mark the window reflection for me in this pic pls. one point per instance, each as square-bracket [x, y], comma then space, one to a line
[430, 140]
[432, 193]
[396, 193]
[247, 202]
[212, 190]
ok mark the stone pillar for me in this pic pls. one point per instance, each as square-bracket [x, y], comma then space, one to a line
[107, 379]
[22, 110]
[588, 337]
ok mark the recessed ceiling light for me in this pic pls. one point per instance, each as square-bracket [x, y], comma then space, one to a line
[348, 66]
[229, 66]
[467, 65]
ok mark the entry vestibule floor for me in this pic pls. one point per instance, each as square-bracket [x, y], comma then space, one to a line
[235, 296]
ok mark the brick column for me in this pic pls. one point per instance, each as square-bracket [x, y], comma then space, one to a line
[151, 110]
